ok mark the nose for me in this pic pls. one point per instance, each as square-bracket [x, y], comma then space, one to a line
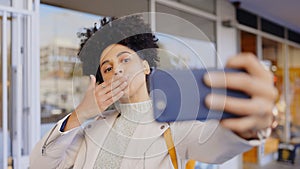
[118, 71]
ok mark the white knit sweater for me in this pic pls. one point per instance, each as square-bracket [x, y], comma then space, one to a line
[116, 142]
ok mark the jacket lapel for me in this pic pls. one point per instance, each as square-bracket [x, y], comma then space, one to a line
[98, 130]
[95, 134]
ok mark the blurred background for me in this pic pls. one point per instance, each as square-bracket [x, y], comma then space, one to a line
[42, 81]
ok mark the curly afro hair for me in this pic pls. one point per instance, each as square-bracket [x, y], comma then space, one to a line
[130, 31]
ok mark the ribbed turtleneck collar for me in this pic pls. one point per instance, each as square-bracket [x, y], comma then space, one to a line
[140, 112]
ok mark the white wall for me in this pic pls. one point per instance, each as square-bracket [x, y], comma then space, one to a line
[227, 46]
[5, 2]
[227, 43]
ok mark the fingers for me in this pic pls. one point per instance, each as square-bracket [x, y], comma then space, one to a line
[257, 82]
[115, 91]
[250, 64]
[109, 92]
[113, 99]
[241, 82]
[92, 82]
[240, 125]
[107, 86]
[109, 99]
[242, 107]
[97, 99]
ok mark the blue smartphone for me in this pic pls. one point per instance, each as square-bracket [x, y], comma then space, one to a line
[179, 95]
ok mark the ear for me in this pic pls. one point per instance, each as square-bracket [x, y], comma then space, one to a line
[146, 67]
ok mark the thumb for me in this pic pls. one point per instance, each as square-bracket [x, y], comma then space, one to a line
[92, 81]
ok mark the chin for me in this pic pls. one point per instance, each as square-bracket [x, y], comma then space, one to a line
[128, 95]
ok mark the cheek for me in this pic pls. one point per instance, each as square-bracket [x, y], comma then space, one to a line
[138, 79]
[134, 73]
[107, 77]
[136, 82]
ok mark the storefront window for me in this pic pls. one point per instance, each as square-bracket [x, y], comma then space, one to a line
[207, 27]
[8, 36]
[21, 4]
[294, 95]
[58, 60]
[190, 40]
[273, 52]
[273, 55]
[248, 42]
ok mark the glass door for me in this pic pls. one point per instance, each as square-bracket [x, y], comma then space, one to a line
[18, 72]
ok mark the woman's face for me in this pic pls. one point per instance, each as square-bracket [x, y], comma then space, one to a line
[118, 60]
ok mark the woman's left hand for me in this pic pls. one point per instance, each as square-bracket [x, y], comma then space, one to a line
[258, 83]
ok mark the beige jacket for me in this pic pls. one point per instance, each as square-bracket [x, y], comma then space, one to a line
[79, 147]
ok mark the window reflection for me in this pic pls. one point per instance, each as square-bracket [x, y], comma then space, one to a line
[59, 63]
[5, 2]
[180, 26]
[9, 68]
[272, 52]
[177, 52]
[294, 95]
[190, 41]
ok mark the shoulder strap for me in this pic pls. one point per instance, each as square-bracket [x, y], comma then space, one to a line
[190, 164]
[171, 149]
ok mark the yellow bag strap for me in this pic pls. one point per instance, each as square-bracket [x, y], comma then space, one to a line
[171, 149]
[190, 164]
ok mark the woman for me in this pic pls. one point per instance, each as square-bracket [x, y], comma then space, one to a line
[129, 137]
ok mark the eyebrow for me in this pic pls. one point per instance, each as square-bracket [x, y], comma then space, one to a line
[119, 54]
[106, 61]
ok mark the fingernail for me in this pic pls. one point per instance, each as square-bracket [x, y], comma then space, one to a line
[206, 79]
[208, 100]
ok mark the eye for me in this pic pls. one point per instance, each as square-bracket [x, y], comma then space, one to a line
[108, 69]
[125, 60]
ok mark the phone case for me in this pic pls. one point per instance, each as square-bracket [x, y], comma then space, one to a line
[178, 95]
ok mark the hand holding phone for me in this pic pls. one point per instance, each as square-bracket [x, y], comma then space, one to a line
[179, 95]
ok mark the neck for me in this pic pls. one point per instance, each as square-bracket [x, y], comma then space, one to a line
[133, 99]
[140, 112]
